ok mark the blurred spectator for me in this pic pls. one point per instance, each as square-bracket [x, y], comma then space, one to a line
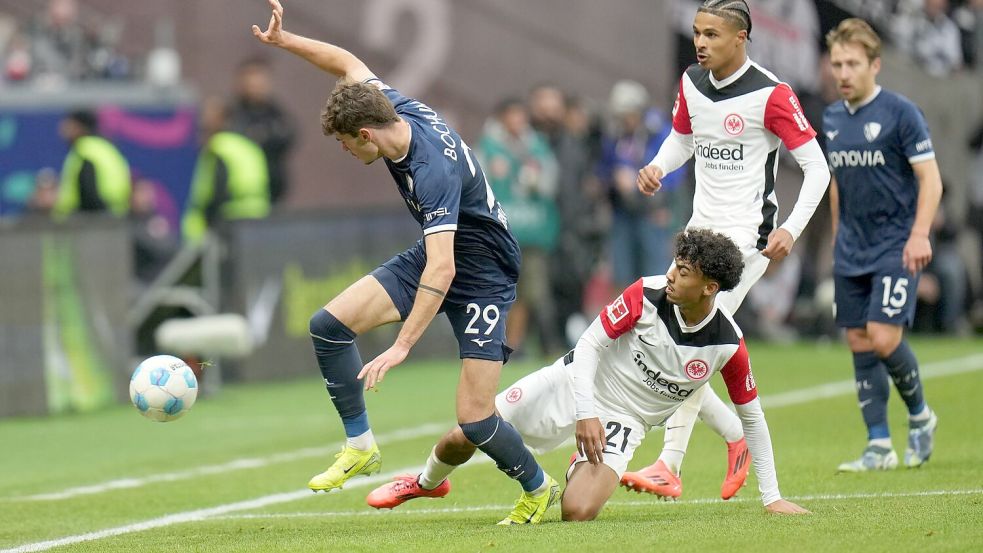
[255, 114]
[579, 240]
[786, 40]
[45, 195]
[95, 176]
[58, 47]
[641, 226]
[969, 18]
[522, 173]
[230, 180]
[155, 241]
[59, 43]
[17, 59]
[931, 38]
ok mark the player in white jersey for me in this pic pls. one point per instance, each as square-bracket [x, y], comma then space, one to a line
[733, 115]
[648, 351]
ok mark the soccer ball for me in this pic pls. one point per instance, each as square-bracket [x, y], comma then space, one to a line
[163, 388]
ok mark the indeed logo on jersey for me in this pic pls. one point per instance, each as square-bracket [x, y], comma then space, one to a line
[712, 151]
[856, 158]
[721, 158]
[659, 383]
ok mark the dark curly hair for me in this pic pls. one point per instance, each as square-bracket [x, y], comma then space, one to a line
[354, 106]
[715, 255]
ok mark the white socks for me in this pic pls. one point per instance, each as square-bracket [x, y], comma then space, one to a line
[362, 442]
[679, 427]
[435, 472]
[880, 442]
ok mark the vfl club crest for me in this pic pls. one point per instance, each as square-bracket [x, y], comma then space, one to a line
[697, 369]
[514, 395]
[734, 124]
[872, 130]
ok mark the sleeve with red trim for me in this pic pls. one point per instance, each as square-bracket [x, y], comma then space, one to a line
[680, 112]
[737, 375]
[621, 315]
[784, 118]
[678, 147]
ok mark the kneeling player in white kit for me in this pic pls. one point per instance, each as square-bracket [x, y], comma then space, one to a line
[648, 351]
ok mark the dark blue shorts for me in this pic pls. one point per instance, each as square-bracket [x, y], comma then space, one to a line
[476, 305]
[884, 297]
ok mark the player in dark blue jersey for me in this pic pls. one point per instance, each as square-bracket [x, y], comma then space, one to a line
[466, 265]
[884, 195]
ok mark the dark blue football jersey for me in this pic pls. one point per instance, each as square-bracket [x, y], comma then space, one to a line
[445, 190]
[871, 151]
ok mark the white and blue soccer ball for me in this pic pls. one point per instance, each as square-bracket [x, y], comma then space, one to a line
[163, 388]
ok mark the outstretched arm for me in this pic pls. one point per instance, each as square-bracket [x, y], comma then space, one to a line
[744, 393]
[335, 60]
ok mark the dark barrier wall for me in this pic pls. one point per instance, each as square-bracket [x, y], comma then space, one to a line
[64, 293]
[285, 268]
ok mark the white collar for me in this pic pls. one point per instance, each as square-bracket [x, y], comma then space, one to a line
[864, 102]
[730, 80]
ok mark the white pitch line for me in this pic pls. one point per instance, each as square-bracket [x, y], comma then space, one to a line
[930, 370]
[429, 429]
[650, 503]
[937, 369]
[197, 515]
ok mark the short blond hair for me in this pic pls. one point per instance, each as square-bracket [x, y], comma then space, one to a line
[856, 31]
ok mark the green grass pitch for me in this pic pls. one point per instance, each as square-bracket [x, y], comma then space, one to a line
[231, 475]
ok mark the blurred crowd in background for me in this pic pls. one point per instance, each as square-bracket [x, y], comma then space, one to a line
[563, 166]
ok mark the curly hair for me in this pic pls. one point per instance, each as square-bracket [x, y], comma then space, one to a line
[715, 255]
[354, 106]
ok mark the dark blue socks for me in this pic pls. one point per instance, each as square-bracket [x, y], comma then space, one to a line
[339, 361]
[500, 441]
[872, 391]
[903, 368]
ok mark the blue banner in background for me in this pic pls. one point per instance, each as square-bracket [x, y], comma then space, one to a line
[161, 145]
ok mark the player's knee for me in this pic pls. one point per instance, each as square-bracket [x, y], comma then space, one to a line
[327, 331]
[480, 432]
[884, 342]
[857, 340]
[572, 510]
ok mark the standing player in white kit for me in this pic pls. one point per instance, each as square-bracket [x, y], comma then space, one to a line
[733, 115]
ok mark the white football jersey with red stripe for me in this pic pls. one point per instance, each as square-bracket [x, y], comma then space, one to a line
[737, 126]
[652, 361]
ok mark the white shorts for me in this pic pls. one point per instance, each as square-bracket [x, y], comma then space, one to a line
[755, 265]
[541, 408]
